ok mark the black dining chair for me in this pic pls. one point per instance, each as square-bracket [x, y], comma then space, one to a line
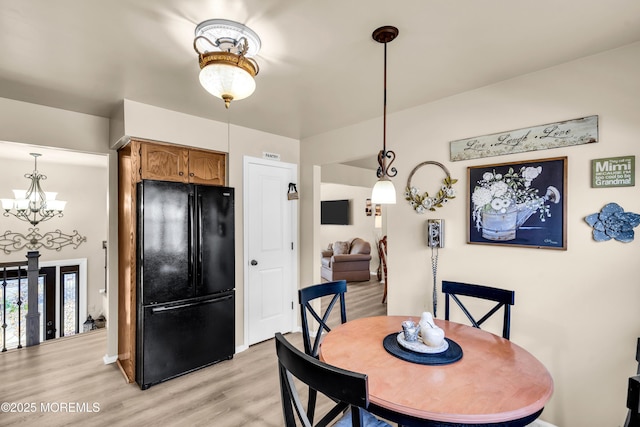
[347, 390]
[504, 299]
[305, 298]
[633, 395]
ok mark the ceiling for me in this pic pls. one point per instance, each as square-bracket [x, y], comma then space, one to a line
[319, 67]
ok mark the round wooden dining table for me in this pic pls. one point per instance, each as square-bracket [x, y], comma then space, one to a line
[496, 382]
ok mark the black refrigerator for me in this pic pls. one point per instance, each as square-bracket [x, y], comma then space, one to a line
[185, 279]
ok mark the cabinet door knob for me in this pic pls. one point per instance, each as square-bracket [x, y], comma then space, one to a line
[254, 262]
[180, 173]
[191, 174]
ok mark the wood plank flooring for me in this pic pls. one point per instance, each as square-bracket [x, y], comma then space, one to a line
[65, 383]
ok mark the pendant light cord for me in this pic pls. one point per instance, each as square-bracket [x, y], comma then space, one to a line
[385, 158]
[228, 130]
[384, 111]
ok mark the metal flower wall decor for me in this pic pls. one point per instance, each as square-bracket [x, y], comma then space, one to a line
[612, 222]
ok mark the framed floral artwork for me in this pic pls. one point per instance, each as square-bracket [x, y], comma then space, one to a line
[519, 204]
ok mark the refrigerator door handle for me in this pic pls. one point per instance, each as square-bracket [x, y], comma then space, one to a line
[192, 250]
[199, 269]
[190, 304]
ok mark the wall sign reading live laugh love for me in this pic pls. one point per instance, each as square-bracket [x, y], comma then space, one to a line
[542, 137]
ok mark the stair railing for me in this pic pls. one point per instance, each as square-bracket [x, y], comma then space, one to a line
[33, 316]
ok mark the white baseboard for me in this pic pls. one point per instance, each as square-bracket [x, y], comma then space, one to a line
[109, 359]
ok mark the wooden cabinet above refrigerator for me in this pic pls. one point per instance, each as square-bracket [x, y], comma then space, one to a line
[167, 162]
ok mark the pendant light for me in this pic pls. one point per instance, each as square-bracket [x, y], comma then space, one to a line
[383, 191]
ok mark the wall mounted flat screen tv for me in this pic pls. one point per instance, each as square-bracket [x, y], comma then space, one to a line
[334, 212]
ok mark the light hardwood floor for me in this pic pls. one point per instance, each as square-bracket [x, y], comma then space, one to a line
[243, 391]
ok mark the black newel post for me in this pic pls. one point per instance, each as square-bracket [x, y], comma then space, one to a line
[33, 316]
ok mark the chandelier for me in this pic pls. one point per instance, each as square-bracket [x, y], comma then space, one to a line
[383, 191]
[225, 50]
[33, 205]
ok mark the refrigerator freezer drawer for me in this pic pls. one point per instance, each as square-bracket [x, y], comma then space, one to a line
[182, 337]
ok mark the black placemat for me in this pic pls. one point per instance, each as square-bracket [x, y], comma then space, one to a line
[452, 354]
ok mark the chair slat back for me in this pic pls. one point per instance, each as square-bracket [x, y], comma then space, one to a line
[346, 388]
[504, 299]
[638, 355]
[633, 395]
[305, 297]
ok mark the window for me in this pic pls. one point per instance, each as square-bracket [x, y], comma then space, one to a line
[69, 300]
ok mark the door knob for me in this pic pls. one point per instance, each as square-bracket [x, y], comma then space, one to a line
[254, 262]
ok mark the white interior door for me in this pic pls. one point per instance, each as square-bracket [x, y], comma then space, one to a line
[269, 248]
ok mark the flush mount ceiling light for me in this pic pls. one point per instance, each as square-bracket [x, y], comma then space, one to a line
[225, 50]
[383, 191]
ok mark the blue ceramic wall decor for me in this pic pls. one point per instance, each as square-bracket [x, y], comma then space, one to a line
[612, 222]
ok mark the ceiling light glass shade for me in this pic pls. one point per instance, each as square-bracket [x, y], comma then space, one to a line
[19, 194]
[55, 205]
[7, 204]
[384, 193]
[223, 78]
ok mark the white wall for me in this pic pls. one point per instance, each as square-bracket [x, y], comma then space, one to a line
[52, 127]
[576, 310]
[159, 124]
[361, 225]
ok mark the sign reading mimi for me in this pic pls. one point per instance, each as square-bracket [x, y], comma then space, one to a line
[542, 137]
[613, 172]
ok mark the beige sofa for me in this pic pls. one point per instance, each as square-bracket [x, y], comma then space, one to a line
[347, 261]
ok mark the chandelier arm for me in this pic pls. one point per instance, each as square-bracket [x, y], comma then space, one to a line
[24, 215]
[35, 178]
[195, 46]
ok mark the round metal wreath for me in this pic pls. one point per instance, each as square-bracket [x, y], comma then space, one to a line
[423, 202]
